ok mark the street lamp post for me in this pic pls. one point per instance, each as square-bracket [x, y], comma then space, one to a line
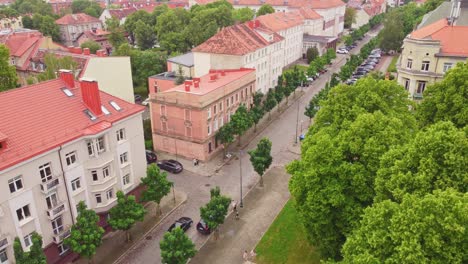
[297, 120]
[240, 168]
[173, 193]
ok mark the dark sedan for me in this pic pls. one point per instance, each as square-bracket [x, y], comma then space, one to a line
[184, 223]
[151, 157]
[203, 228]
[170, 165]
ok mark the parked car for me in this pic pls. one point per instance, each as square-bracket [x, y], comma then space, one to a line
[376, 50]
[361, 72]
[151, 157]
[170, 165]
[342, 51]
[203, 228]
[377, 56]
[357, 75]
[361, 68]
[146, 102]
[323, 71]
[184, 223]
[138, 99]
[353, 45]
[369, 63]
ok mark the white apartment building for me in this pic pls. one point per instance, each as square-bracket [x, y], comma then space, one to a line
[62, 142]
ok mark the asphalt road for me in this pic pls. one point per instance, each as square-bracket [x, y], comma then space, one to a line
[281, 132]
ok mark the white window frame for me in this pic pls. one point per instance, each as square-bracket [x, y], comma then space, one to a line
[90, 147]
[62, 248]
[126, 179]
[110, 194]
[409, 64]
[70, 158]
[24, 215]
[100, 148]
[43, 169]
[421, 86]
[121, 134]
[98, 198]
[215, 125]
[53, 199]
[76, 184]
[14, 182]
[447, 66]
[28, 240]
[124, 158]
[106, 171]
[57, 225]
[407, 83]
[425, 65]
[209, 129]
[208, 113]
[3, 256]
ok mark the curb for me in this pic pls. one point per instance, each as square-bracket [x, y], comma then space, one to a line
[151, 230]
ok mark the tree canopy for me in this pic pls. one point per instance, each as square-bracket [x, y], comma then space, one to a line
[86, 6]
[265, 9]
[92, 45]
[34, 256]
[215, 211]
[261, 158]
[8, 77]
[126, 213]
[176, 247]
[157, 185]
[350, 17]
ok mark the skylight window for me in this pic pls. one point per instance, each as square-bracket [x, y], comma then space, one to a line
[104, 110]
[67, 92]
[115, 105]
[90, 115]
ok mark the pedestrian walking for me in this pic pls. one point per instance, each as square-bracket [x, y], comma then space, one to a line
[245, 255]
[237, 215]
[234, 206]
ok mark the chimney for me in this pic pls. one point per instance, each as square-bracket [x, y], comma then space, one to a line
[256, 23]
[91, 96]
[196, 82]
[213, 76]
[101, 53]
[86, 51]
[67, 77]
[223, 73]
[77, 50]
[71, 49]
[187, 85]
[250, 24]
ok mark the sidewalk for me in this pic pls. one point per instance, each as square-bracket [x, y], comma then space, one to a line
[261, 206]
[114, 244]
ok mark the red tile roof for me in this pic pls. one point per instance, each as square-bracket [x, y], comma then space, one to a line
[309, 13]
[234, 40]
[122, 13]
[40, 117]
[98, 35]
[281, 20]
[73, 19]
[428, 30]
[316, 4]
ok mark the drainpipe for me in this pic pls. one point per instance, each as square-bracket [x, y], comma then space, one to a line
[65, 183]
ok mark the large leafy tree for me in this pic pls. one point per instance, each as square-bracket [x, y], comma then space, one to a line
[241, 121]
[157, 185]
[265, 9]
[261, 158]
[243, 14]
[350, 17]
[53, 64]
[86, 235]
[144, 35]
[215, 211]
[427, 229]
[311, 54]
[116, 36]
[392, 35]
[126, 213]
[86, 6]
[92, 45]
[447, 99]
[436, 158]
[140, 15]
[225, 135]
[34, 256]
[176, 247]
[8, 77]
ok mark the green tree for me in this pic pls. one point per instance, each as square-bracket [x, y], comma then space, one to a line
[331, 55]
[20, 255]
[86, 235]
[436, 158]
[157, 185]
[348, 40]
[391, 36]
[428, 229]
[85, 6]
[140, 15]
[265, 9]
[144, 35]
[225, 135]
[116, 36]
[256, 113]
[8, 77]
[311, 54]
[241, 121]
[126, 213]
[261, 158]
[176, 247]
[243, 14]
[54, 64]
[270, 102]
[34, 256]
[27, 22]
[312, 108]
[447, 99]
[350, 17]
[92, 45]
[215, 211]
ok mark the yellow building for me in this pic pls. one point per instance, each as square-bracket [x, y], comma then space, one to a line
[428, 53]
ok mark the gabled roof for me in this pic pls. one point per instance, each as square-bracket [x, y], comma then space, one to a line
[40, 117]
[122, 12]
[73, 19]
[428, 30]
[281, 20]
[184, 59]
[316, 4]
[309, 13]
[234, 40]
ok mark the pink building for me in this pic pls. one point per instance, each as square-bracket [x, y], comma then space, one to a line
[185, 118]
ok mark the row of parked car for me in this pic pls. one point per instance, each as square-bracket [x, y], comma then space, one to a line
[346, 49]
[168, 165]
[367, 66]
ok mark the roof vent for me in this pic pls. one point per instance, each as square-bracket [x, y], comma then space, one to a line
[115, 105]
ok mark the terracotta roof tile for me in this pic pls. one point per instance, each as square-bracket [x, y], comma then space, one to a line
[316, 4]
[281, 20]
[429, 29]
[72, 19]
[122, 13]
[309, 13]
[47, 118]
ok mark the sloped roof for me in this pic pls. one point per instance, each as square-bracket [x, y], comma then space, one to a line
[281, 20]
[316, 4]
[122, 12]
[40, 117]
[309, 13]
[184, 59]
[428, 30]
[72, 19]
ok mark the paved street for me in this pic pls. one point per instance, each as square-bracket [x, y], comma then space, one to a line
[281, 132]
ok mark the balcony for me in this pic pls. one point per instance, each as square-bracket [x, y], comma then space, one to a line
[56, 211]
[61, 236]
[50, 185]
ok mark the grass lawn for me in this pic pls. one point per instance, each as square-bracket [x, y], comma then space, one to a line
[285, 241]
[302, 68]
[392, 66]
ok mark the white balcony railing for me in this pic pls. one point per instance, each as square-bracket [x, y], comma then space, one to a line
[56, 211]
[50, 185]
[61, 236]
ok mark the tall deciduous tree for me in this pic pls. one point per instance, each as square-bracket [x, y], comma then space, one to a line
[144, 35]
[265, 9]
[241, 121]
[54, 64]
[215, 211]
[8, 77]
[261, 158]
[243, 14]
[270, 102]
[116, 36]
[392, 35]
[34, 256]
[312, 54]
[126, 213]
[86, 235]
[225, 135]
[350, 17]
[157, 185]
[176, 247]
[447, 99]
[85, 6]
[256, 113]
[428, 229]
[92, 45]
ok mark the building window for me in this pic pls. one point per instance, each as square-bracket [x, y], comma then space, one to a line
[214, 109]
[62, 248]
[447, 66]
[221, 122]
[28, 240]
[90, 148]
[94, 175]
[110, 194]
[232, 100]
[23, 213]
[237, 97]
[52, 201]
[242, 95]
[221, 106]
[106, 172]
[120, 134]
[98, 198]
[3, 256]
[126, 179]
[209, 129]
[15, 184]
[123, 158]
[76, 184]
[208, 113]
[100, 144]
[188, 115]
[70, 158]
[188, 131]
[407, 83]
[227, 102]
[57, 225]
[46, 172]
[409, 64]
[425, 66]
[421, 87]
[163, 110]
[215, 124]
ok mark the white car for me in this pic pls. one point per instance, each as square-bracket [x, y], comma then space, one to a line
[342, 51]
[146, 102]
